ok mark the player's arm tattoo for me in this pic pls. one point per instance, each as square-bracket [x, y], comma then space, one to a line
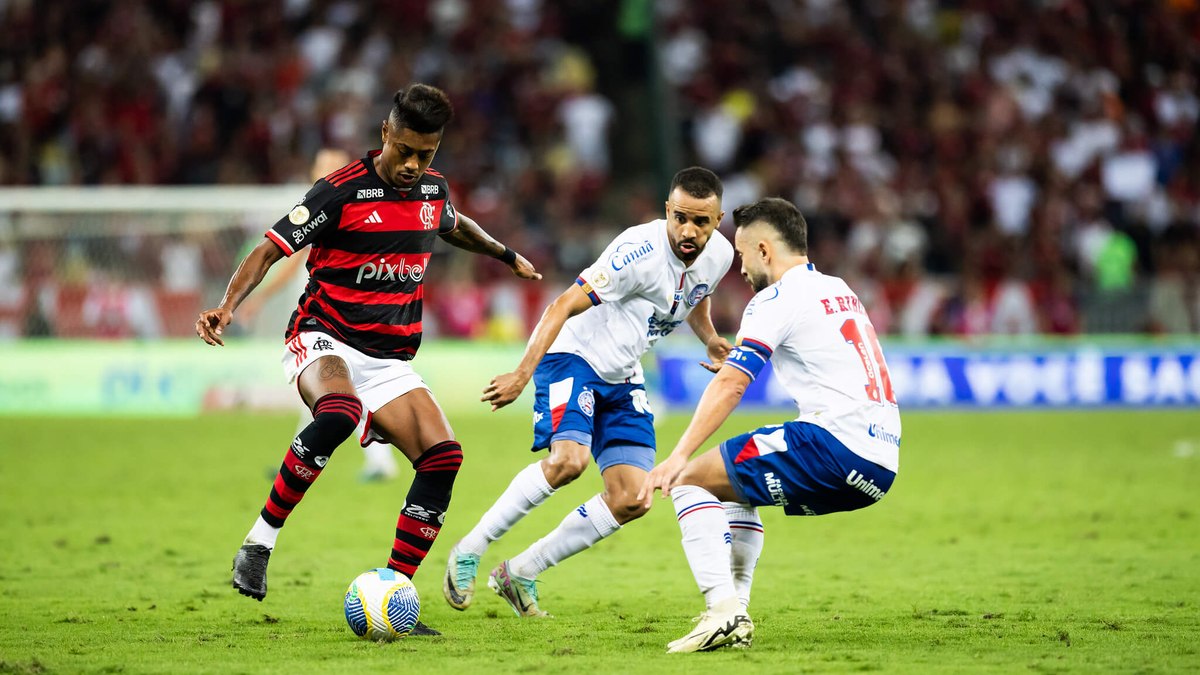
[469, 236]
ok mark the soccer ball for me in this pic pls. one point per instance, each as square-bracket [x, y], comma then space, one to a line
[382, 605]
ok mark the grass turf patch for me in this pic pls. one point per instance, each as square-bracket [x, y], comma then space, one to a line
[1044, 542]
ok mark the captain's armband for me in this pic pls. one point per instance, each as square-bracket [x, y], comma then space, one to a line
[749, 356]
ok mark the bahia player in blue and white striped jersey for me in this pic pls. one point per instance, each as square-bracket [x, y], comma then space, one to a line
[840, 454]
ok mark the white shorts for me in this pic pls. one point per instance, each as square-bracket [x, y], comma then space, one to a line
[376, 381]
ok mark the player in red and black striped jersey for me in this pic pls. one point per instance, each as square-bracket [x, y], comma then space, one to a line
[372, 226]
[370, 249]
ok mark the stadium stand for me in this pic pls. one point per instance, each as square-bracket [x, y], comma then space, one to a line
[974, 167]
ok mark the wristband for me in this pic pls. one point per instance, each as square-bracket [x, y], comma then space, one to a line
[508, 257]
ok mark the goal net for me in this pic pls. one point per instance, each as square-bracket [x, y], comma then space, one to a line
[128, 262]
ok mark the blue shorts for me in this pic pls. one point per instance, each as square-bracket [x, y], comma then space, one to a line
[803, 468]
[572, 403]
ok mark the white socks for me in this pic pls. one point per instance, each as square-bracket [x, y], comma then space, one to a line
[580, 530]
[706, 541]
[527, 489]
[262, 534]
[747, 531]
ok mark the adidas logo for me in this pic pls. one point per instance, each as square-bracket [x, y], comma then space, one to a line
[374, 218]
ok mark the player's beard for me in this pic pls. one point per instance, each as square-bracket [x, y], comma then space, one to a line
[758, 280]
[686, 256]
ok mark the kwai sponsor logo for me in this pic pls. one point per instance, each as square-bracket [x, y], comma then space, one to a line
[298, 216]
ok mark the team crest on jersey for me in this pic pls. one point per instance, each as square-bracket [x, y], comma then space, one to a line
[299, 215]
[698, 293]
[427, 214]
[587, 402]
[600, 279]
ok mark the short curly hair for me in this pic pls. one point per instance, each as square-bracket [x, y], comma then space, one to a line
[422, 108]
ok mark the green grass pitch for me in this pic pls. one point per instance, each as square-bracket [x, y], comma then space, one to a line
[1011, 542]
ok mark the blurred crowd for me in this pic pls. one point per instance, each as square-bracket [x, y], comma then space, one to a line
[971, 167]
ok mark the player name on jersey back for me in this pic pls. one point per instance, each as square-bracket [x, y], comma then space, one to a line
[826, 356]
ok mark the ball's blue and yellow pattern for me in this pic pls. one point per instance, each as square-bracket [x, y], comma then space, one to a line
[382, 604]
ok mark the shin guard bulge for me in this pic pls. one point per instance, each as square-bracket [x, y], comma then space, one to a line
[425, 506]
[335, 417]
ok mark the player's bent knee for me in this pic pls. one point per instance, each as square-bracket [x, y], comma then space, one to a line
[446, 456]
[567, 461]
[337, 415]
[626, 507]
[563, 470]
[708, 472]
[576, 466]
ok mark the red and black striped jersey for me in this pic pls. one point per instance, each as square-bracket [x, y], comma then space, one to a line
[370, 249]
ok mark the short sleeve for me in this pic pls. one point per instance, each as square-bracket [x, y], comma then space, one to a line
[765, 325]
[448, 220]
[320, 210]
[619, 272]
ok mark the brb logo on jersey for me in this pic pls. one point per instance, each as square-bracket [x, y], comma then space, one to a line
[384, 271]
[427, 214]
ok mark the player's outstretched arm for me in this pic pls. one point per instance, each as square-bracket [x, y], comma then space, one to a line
[700, 321]
[469, 236]
[249, 274]
[505, 389]
[720, 398]
[288, 268]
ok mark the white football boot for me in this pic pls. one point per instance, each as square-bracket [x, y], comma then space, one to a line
[727, 624]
